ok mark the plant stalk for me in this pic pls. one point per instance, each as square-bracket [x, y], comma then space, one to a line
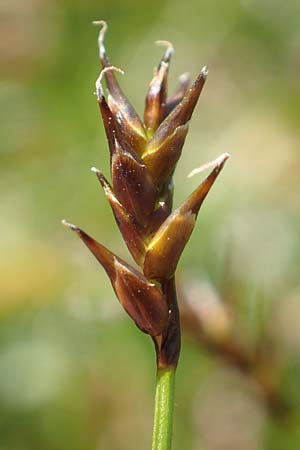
[164, 405]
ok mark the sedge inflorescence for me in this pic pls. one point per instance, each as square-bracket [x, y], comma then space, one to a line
[143, 157]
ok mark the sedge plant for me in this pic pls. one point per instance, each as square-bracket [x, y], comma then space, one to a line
[143, 157]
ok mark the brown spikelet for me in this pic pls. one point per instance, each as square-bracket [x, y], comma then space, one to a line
[133, 185]
[142, 300]
[155, 104]
[165, 248]
[143, 157]
[180, 115]
[130, 230]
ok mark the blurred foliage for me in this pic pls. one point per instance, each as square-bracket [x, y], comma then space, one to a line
[74, 371]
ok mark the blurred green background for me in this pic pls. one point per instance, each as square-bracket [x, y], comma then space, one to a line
[74, 371]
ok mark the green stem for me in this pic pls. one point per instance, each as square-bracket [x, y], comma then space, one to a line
[163, 414]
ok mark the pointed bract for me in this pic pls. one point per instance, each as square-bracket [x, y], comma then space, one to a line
[155, 100]
[120, 106]
[132, 185]
[110, 125]
[195, 200]
[180, 115]
[108, 122]
[162, 160]
[165, 249]
[133, 134]
[143, 301]
[167, 245]
[157, 93]
[126, 223]
[112, 128]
